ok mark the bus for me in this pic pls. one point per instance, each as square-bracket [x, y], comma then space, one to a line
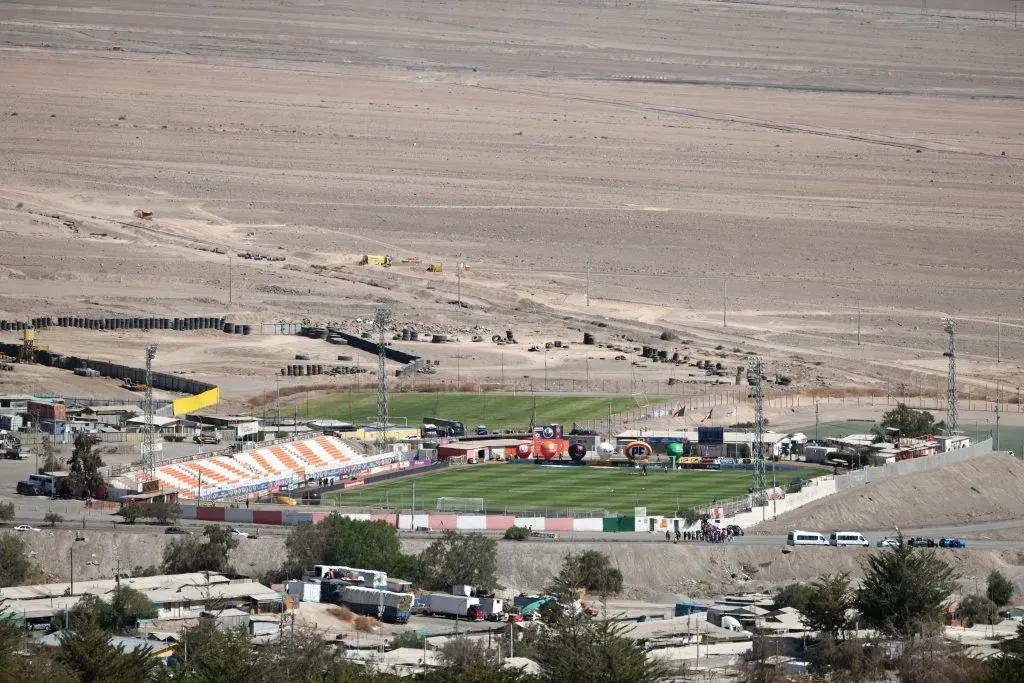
[442, 427]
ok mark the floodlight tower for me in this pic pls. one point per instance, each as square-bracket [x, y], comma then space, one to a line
[952, 411]
[760, 480]
[381, 320]
[149, 443]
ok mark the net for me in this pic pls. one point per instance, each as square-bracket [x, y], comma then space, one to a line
[450, 504]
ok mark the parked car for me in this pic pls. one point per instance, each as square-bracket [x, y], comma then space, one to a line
[735, 529]
[888, 543]
[25, 527]
[238, 533]
[920, 542]
[848, 538]
[177, 530]
[951, 543]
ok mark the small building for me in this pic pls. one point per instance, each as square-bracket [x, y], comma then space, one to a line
[161, 424]
[228, 619]
[472, 452]
[114, 415]
[952, 443]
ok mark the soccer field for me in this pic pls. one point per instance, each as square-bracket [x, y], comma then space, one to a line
[529, 487]
[497, 411]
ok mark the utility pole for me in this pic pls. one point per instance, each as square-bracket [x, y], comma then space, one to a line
[725, 304]
[999, 339]
[231, 265]
[858, 323]
[815, 420]
[458, 278]
[381, 320]
[588, 283]
[759, 483]
[999, 396]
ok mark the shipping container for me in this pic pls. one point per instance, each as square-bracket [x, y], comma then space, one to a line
[47, 411]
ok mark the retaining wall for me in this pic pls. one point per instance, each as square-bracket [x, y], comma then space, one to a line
[904, 467]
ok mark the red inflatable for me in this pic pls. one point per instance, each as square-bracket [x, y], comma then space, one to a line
[524, 451]
[548, 450]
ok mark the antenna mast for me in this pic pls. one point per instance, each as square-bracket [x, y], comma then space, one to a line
[149, 442]
[760, 480]
[952, 410]
[381, 320]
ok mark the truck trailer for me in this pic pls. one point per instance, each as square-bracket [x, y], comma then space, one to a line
[457, 606]
[397, 607]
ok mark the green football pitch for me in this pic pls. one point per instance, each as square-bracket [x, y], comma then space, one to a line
[518, 488]
[497, 411]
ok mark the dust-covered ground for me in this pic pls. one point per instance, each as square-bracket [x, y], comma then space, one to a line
[981, 490]
[792, 163]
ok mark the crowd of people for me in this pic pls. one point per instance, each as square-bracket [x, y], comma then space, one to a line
[708, 532]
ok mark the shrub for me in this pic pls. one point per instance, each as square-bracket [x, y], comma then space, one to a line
[516, 533]
[52, 518]
[668, 336]
[365, 624]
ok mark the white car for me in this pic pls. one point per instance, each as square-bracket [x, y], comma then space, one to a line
[888, 543]
[238, 533]
[25, 527]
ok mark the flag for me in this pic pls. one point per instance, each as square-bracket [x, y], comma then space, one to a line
[708, 416]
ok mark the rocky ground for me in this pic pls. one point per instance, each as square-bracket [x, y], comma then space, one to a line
[791, 168]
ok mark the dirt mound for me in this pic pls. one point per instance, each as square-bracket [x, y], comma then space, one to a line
[661, 570]
[985, 489]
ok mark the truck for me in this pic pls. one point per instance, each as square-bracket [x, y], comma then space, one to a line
[492, 607]
[397, 607]
[376, 260]
[457, 606]
[370, 578]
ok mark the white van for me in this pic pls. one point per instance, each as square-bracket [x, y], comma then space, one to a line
[848, 538]
[805, 538]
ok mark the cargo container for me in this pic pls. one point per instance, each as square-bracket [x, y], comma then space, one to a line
[375, 260]
[47, 411]
[394, 608]
[458, 606]
[11, 423]
[368, 578]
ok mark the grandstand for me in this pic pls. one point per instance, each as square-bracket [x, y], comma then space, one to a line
[260, 469]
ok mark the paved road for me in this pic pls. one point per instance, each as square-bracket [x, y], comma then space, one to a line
[31, 510]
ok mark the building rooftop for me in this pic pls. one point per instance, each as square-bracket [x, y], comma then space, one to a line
[158, 421]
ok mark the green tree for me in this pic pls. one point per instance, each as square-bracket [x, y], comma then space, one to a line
[978, 609]
[591, 570]
[6, 512]
[164, 513]
[15, 566]
[84, 466]
[910, 423]
[217, 656]
[53, 519]
[904, 590]
[343, 541]
[584, 650]
[999, 589]
[86, 650]
[460, 558]
[130, 512]
[10, 643]
[828, 604]
[793, 595]
[51, 463]
[190, 554]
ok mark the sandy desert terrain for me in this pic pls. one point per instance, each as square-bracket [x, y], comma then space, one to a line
[792, 162]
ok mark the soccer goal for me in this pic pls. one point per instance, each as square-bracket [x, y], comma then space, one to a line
[450, 504]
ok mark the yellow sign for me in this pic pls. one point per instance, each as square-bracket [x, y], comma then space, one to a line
[190, 404]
